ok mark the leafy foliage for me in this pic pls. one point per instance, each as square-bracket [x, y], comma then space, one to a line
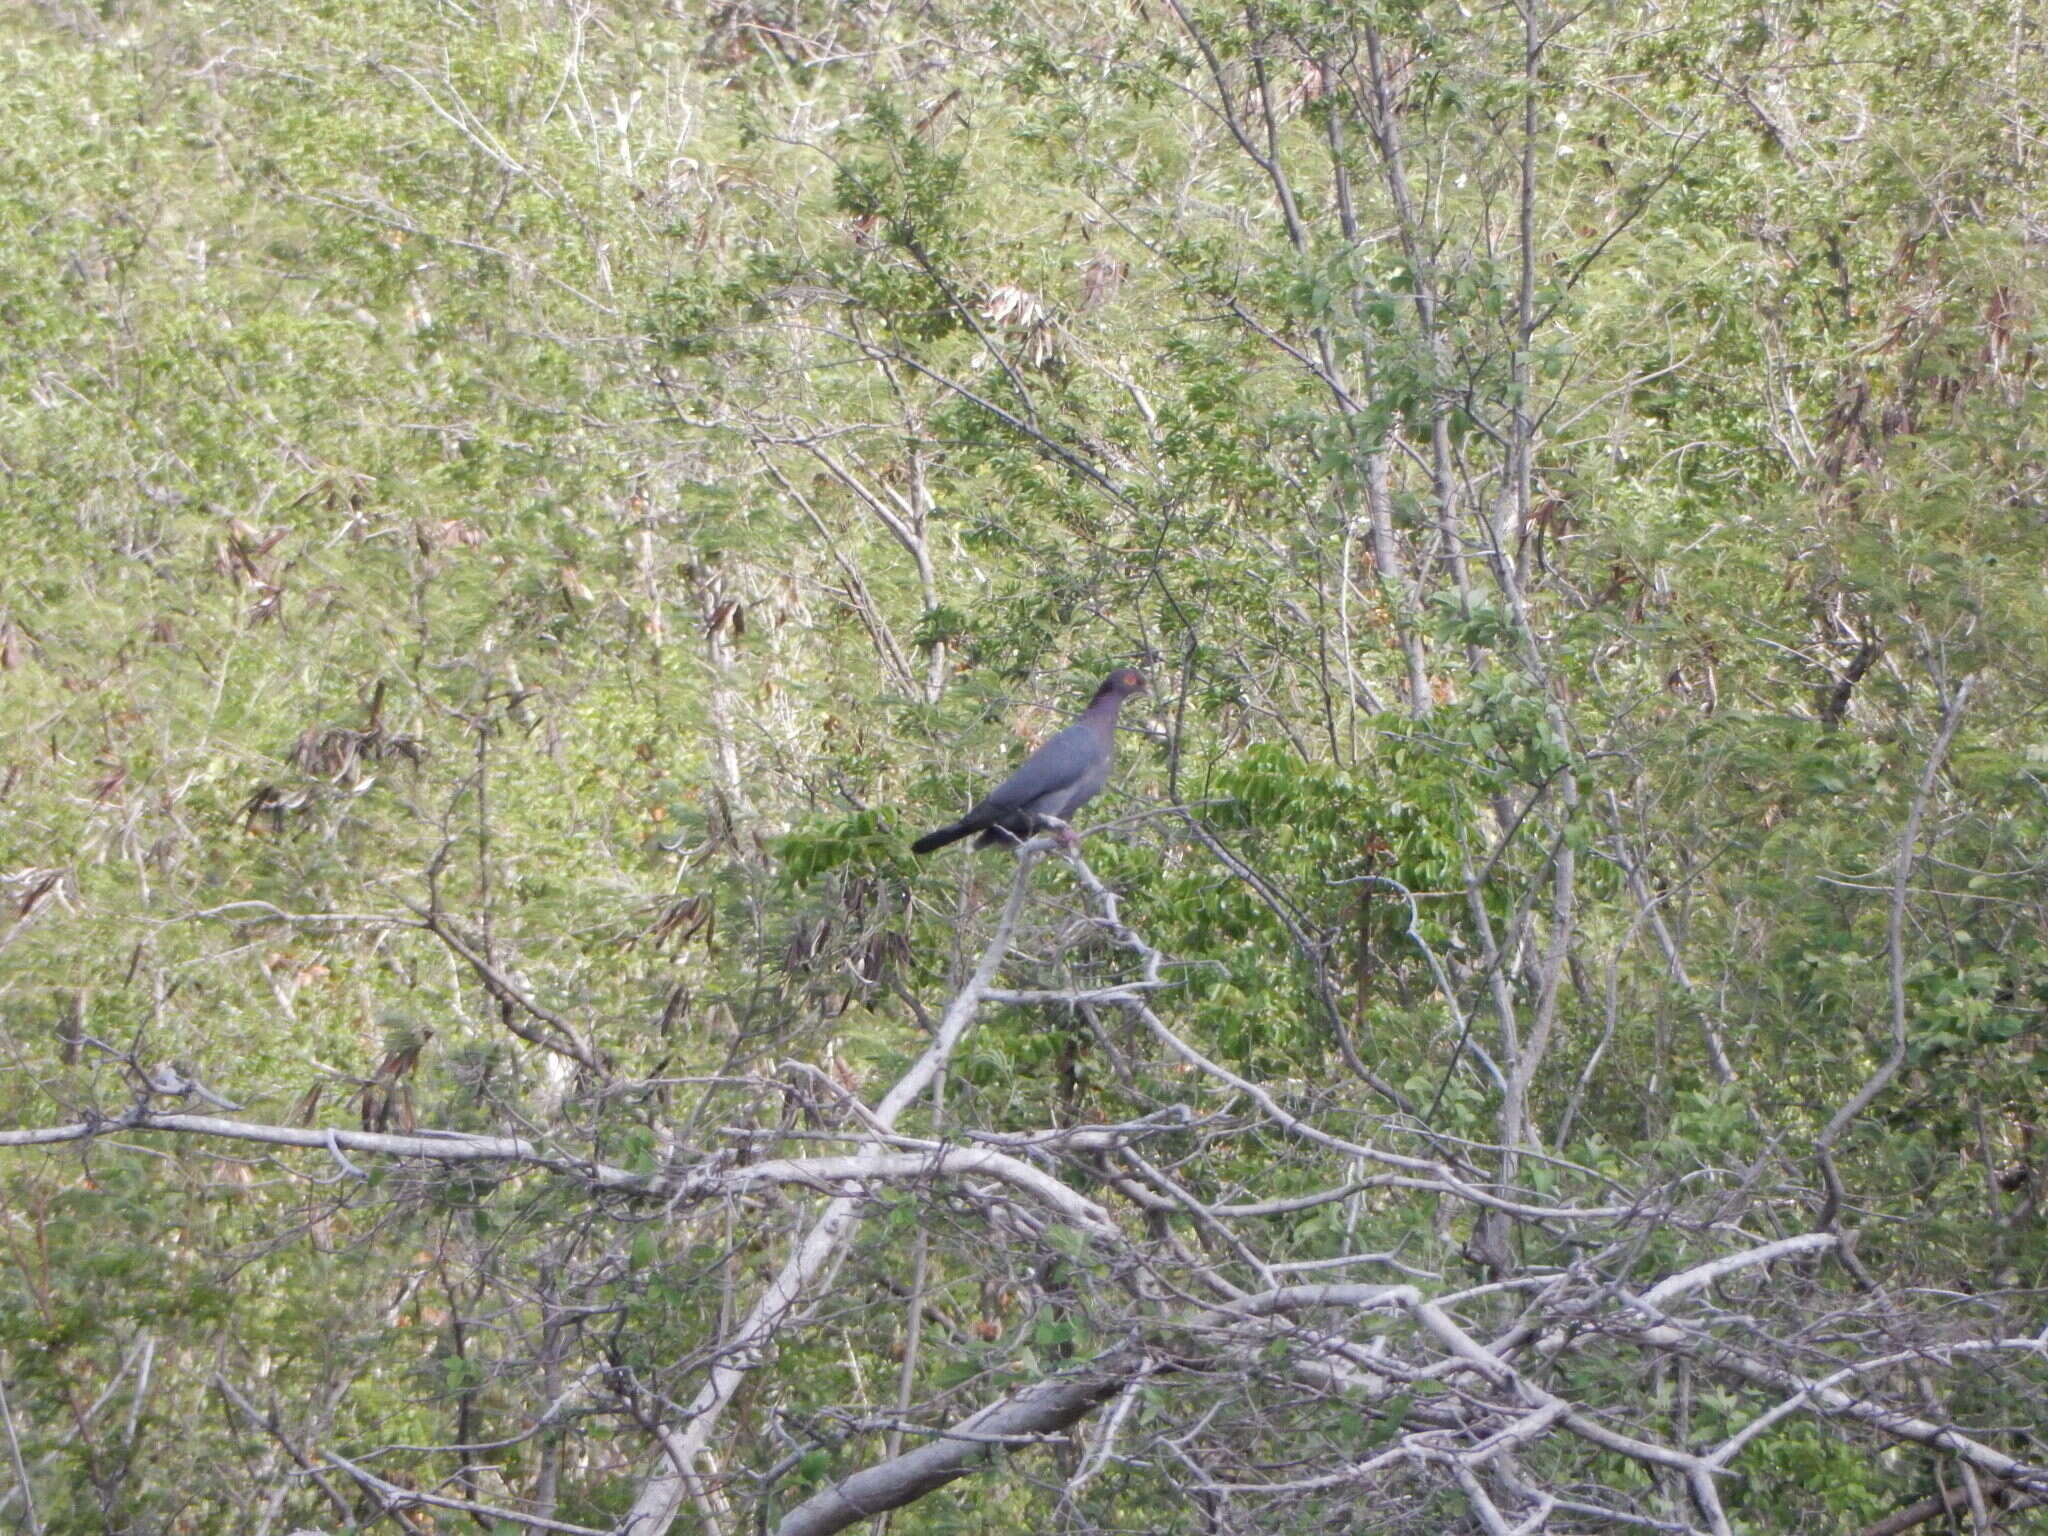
[516, 512]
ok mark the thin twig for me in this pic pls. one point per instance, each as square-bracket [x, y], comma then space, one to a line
[1895, 954]
[28, 1501]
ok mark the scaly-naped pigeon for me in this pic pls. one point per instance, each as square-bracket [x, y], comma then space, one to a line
[1056, 780]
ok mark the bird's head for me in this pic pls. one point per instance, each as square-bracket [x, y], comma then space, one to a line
[1121, 684]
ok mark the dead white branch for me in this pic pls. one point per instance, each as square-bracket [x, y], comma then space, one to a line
[682, 1186]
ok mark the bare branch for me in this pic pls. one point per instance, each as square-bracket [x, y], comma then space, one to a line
[1041, 1409]
[28, 1502]
[1895, 949]
[680, 1186]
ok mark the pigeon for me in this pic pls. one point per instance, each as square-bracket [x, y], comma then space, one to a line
[1056, 780]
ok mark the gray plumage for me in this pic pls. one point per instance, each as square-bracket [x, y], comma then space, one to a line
[1056, 780]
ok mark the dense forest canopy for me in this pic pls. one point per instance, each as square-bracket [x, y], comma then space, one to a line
[516, 513]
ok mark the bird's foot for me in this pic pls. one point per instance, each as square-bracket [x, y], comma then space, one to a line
[1067, 839]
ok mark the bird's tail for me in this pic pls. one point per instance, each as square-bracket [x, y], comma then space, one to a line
[945, 835]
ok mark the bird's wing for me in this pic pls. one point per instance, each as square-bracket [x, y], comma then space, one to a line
[1051, 772]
